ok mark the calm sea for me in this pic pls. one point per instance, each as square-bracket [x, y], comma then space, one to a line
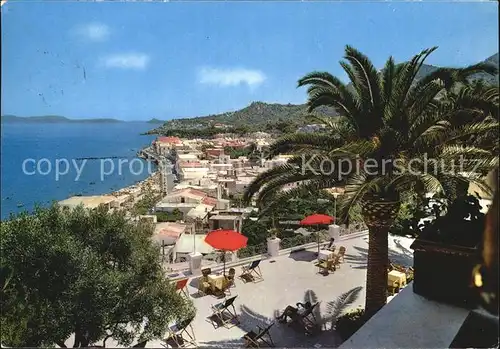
[44, 162]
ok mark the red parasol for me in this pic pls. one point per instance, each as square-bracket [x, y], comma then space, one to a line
[226, 240]
[317, 219]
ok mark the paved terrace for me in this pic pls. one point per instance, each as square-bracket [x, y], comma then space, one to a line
[288, 279]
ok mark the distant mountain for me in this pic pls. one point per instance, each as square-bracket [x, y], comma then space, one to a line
[426, 69]
[260, 113]
[52, 119]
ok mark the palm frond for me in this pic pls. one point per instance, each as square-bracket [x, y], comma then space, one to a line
[357, 186]
[303, 142]
[312, 186]
[367, 79]
[263, 178]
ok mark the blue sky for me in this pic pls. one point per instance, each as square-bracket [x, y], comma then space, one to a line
[135, 61]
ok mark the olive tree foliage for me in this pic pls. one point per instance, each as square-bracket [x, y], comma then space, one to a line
[92, 275]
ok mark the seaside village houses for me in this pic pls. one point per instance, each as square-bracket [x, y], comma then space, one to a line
[195, 183]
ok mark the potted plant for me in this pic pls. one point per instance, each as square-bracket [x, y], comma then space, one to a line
[446, 251]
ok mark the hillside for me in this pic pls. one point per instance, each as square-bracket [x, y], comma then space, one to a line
[258, 114]
[50, 119]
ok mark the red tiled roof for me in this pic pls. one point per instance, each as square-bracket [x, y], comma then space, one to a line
[170, 140]
[170, 233]
[196, 192]
[209, 201]
[188, 164]
[190, 191]
[215, 152]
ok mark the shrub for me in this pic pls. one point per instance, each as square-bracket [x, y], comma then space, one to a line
[350, 322]
[252, 250]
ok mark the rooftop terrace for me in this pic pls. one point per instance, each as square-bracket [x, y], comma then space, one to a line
[288, 279]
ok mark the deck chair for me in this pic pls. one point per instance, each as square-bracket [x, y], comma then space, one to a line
[253, 339]
[220, 310]
[304, 319]
[181, 287]
[182, 334]
[252, 271]
[341, 253]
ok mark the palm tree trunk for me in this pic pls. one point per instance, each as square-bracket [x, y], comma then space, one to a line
[378, 216]
[376, 273]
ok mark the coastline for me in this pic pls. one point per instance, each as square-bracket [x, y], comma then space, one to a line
[131, 194]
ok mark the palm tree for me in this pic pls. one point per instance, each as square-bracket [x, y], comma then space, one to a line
[392, 121]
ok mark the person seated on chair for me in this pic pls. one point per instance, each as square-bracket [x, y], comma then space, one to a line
[291, 311]
[332, 240]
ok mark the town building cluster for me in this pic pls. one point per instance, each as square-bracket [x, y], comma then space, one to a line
[199, 182]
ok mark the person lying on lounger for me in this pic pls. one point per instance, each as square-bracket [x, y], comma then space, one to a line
[291, 311]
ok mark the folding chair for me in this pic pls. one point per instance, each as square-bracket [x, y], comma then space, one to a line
[251, 270]
[203, 285]
[304, 319]
[220, 310]
[336, 262]
[252, 338]
[180, 335]
[181, 287]
[325, 266]
[393, 288]
[341, 253]
[229, 282]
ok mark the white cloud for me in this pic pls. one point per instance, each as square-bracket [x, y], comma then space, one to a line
[127, 61]
[231, 76]
[94, 31]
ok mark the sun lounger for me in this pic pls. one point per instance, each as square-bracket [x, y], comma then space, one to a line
[253, 339]
[252, 272]
[182, 334]
[222, 311]
[306, 320]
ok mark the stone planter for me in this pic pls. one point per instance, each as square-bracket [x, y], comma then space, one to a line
[195, 263]
[334, 231]
[443, 273]
[273, 246]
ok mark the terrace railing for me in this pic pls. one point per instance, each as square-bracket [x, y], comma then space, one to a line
[253, 251]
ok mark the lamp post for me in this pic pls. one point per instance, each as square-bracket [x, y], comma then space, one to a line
[334, 229]
[335, 195]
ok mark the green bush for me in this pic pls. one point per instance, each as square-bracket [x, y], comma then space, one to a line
[173, 216]
[297, 240]
[349, 323]
[252, 250]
